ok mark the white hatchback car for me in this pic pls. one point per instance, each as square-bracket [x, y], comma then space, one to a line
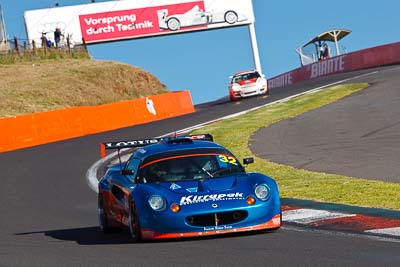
[247, 83]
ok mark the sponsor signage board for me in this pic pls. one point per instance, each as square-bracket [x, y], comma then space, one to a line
[120, 20]
[382, 55]
[315, 70]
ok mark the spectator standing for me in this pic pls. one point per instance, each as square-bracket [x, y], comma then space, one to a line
[326, 53]
[57, 36]
[45, 41]
[320, 52]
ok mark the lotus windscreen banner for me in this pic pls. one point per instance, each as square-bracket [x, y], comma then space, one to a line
[129, 19]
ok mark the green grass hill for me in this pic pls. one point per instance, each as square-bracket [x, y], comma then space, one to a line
[43, 85]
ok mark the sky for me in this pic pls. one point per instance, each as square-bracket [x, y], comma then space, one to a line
[202, 62]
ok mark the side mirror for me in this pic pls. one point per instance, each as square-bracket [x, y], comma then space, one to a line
[247, 161]
[127, 172]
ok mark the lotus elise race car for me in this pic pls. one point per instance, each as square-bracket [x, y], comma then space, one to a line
[184, 187]
[247, 83]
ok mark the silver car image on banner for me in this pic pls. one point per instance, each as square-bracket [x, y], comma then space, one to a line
[195, 17]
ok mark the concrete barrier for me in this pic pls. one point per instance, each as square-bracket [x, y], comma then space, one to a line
[388, 54]
[45, 127]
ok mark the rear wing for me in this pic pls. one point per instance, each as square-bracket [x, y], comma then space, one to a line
[144, 142]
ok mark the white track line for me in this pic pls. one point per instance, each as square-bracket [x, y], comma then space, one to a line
[386, 231]
[306, 216]
[311, 91]
[91, 174]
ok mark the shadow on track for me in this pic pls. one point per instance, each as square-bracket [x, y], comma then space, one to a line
[94, 236]
[84, 236]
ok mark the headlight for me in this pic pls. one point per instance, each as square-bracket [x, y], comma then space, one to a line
[262, 192]
[235, 87]
[157, 203]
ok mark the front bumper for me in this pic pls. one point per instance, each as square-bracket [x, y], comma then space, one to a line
[230, 216]
[248, 90]
[274, 223]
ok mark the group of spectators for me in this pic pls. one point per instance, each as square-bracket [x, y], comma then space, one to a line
[57, 39]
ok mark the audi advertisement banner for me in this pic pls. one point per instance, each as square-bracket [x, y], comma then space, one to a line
[129, 19]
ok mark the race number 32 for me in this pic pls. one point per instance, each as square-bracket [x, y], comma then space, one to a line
[227, 159]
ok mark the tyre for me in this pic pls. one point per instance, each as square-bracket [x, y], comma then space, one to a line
[173, 24]
[231, 17]
[232, 98]
[267, 89]
[134, 227]
[102, 215]
[266, 93]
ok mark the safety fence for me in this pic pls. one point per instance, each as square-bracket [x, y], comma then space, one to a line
[388, 54]
[45, 127]
[40, 128]
[22, 45]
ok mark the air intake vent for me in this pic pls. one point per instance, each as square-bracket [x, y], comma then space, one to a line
[220, 218]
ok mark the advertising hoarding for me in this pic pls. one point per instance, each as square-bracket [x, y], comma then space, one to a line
[129, 19]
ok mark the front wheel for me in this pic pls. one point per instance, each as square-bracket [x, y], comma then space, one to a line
[173, 24]
[134, 227]
[102, 215]
[231, 17]
[233, 98]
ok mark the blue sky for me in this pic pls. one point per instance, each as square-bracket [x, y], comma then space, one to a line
[202, 61]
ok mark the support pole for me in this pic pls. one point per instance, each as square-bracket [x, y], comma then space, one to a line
[336, 44]
[256, 55]
[335, 35]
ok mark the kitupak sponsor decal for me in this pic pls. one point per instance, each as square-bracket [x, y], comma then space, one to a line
[194, 199]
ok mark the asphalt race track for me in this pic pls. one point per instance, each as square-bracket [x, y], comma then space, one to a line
[358, 136]
[48, 214]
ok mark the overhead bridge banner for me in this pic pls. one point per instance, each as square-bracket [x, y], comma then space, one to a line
[129, 19]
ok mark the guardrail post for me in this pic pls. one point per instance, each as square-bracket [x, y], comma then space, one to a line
[84, 44]
[16, 45]
[44, 45]
[68, 45]
[33, 46]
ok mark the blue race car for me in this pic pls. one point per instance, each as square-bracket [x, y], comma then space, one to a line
[184, 187]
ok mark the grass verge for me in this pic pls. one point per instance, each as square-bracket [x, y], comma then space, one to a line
[235, 134]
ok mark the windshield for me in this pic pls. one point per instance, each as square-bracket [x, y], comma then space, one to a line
[245, 76]
[189, 167]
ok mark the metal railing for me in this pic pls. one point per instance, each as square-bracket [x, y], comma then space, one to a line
[23, 45]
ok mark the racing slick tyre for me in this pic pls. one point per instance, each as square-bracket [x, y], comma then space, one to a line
[264, 94]
[103, 219]
[173, 24]
[134, 227]
[231, 17]
[233, 98]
